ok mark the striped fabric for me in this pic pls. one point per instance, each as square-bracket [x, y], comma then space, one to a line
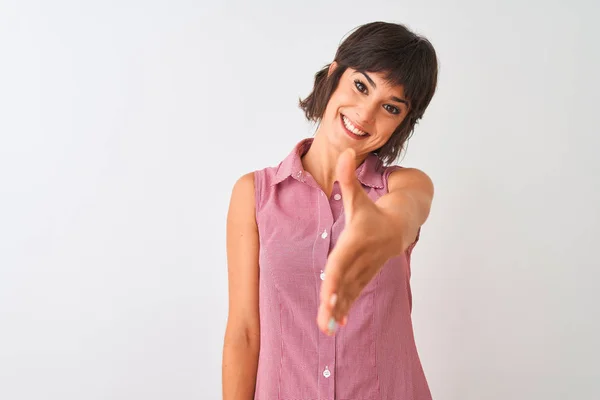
[374, 356]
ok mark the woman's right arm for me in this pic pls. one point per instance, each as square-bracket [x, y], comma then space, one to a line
[242, 335]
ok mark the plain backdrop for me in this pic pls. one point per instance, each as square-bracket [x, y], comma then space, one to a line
[124, 125]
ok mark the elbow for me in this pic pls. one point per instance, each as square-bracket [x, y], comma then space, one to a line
[242, 335]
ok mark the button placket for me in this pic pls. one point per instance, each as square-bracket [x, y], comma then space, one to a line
[326, 346]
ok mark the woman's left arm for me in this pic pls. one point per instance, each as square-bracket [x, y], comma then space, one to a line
[407, 204]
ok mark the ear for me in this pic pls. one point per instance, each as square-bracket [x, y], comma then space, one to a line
[332, 68]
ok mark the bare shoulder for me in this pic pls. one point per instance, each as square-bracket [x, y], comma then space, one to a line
[244, 185]
[412, 178]
[242, 197]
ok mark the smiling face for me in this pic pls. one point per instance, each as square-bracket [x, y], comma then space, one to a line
[363, 111]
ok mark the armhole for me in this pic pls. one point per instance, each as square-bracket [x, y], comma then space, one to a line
[257, 193]
[386, 174]
[388, 171]
[412, 246]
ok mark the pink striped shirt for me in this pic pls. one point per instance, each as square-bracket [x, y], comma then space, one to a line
[374, 356]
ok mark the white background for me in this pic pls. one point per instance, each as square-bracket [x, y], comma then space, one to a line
[124, 124]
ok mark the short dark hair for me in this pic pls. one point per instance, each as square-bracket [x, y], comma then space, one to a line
[406, 58]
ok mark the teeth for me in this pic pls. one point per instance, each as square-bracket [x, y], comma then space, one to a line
[351, 127]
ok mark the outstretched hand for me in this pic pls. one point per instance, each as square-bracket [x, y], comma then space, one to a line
[364, 245]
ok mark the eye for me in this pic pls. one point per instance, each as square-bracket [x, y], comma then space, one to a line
[391, 109]
[360, 86]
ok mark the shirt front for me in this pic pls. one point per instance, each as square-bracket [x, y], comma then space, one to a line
[374, 356]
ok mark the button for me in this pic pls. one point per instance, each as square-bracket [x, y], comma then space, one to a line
[324, 234]
[326, 373]
[337, 196]
[322, 275]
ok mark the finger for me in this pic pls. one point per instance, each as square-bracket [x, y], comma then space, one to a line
[344, 321]
[325, 319]
[343, 255]
[349, 185]
[335, 311]
[340, 259]
[346, 167]
[331, 294]
[351, 285]
[334, 269]
[346, 298]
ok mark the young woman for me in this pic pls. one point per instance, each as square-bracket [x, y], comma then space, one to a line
[319, 246]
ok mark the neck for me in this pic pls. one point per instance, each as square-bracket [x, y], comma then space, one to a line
[321, 160]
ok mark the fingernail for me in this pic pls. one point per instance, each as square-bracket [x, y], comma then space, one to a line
[333, 300]
[331, 325]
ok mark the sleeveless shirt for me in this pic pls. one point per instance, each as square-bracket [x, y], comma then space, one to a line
[374, 356]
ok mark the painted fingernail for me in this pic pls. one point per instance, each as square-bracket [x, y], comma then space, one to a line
[331, 325]
[333, 300]
[344, 321]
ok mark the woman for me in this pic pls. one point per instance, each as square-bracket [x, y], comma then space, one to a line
[323, 240]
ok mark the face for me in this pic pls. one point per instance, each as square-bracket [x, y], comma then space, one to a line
[363, 111]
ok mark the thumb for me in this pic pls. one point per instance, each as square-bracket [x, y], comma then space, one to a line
[352, 191]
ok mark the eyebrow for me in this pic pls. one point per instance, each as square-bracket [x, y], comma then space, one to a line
[394, 98]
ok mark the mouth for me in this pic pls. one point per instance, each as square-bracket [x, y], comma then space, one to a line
[352, 129]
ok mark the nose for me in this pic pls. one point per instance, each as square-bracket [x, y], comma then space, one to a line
[365, 114]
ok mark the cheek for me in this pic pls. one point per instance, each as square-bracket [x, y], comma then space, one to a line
[341, 98]
[387, 126]
[332, 106]
[346, 94]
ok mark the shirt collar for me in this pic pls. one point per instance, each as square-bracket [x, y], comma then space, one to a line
[369, 172]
